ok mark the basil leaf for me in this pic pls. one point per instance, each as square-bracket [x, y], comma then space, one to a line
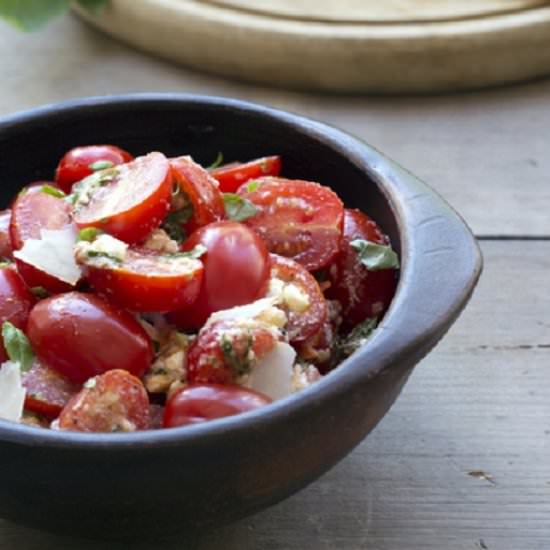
[101, 165]
[174, 221]
[88, 234]
[17, 346]
[252, 185]
[238, 208]
[30, 15]
[375, 257]
[53, 191]
[217, 162]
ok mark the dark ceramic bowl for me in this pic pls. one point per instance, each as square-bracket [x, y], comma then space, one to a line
[167, 481]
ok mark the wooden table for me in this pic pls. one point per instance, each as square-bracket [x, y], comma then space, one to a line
[463, 459]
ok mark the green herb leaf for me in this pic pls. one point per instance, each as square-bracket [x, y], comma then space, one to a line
[93, 6]
[217, 162]
[375, 257]
[98, 254]
[195, 253]
[356, 338]
[173, 223]
[40, 292]
[30, 15]
[238, 208]
[89, 234]
[100, 165]
[252, 185]
[17, 346]
[53, 191]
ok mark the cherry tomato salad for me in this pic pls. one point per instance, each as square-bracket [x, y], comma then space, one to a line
[152, 292]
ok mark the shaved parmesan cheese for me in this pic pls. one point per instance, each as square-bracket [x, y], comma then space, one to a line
[273, 375]
[12, 392]
[53, 253]
[248, 311]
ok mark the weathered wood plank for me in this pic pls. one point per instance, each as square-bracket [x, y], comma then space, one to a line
[479, 403]
[485, 152]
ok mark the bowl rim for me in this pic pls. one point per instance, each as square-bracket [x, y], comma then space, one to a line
[351, 371]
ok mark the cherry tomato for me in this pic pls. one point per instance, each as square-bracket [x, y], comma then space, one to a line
[32, 211]
[362, 293]
[80, 335]
[306, 314]
[127, 201]
[297, 219]
[5, 241]
[146, 280]
[201, 190]
[47, 390]
[236, 271]
[114, 401]
[200, 403]
[75, 164]
[232, 176]
[15, 302]
[224, 351]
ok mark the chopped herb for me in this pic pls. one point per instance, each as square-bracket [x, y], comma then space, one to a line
[375, 257]
[40, 292]
[84, 190]
[237, 360]
[17, 346]
[195, 253]
[252, 185]
[53, 191]
[173, 223]
[100, 165]
[97, 254]
[89, 234]
[238, 208]
[217, 162]
[349, 344]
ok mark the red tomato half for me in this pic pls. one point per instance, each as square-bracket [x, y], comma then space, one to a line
[15, 302]
[201, 190]
[75, 164]
[306, 320]
[362, 293]
[232, 176]
[297, 219]
[115, 401]
[127, 201]
[47, 390]
[147, 280]
[5, 241]
[200, 403]
[236, 271]
[81, 335]
[32, 211]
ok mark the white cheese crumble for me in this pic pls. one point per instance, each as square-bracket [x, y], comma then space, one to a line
[104, 244]
[12, 392]
[262, 309]
[288, 295]
[161, 241]
[53, 253]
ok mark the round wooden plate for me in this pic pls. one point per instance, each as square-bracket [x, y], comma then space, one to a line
[389, 46]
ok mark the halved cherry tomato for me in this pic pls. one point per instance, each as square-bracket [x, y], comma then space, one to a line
[203, 402]
[232, 176]
[47, 390]
[236, 271]
[114, 401]
[32, 211]
[75, 164]
[5, 241]
[362, 293]
[201, 190]
[81, 335]
[224, 351]
[146, 280]
[297, 219]
[15, 302]
[127, 201]
[302, 299]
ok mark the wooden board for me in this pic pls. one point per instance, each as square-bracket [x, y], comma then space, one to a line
[355, 46]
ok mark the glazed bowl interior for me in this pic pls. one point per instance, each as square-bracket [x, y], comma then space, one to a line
[229, 468]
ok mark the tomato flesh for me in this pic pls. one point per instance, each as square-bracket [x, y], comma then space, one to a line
[204, 402]
[5, 241]
[15, 302]
[362, 293]
[75, 164]
[307, 319]
[147, 281]
[236, 271]
[115, 401]
[127, 201]
[201, 190]
[301, 220]
[80, 335]
[232, 176]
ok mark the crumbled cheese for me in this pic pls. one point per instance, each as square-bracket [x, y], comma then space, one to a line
[161, 241]
[288, 295]
[304, 376]
[12, 392]
[105, 244]
[263, 310]
[53, 253]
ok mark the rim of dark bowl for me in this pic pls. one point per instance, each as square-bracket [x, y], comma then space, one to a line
[382, 171]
